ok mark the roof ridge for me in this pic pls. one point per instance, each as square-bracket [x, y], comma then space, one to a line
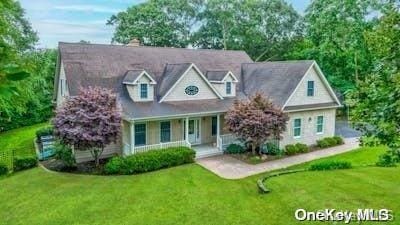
[281, 61]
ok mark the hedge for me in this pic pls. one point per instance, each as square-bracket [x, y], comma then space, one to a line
[331, 165]
[330, 141]
[296, 148]
[25, 162]
[3, 169]
[45, 131]
[150, 161]
[235, 149]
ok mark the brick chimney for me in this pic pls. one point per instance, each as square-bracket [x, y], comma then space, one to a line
[134, 43]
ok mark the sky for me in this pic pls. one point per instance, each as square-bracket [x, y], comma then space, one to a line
[75, 20]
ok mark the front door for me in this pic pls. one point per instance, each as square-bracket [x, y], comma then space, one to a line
[194, 131]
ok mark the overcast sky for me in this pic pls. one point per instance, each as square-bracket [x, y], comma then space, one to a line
[75, 20]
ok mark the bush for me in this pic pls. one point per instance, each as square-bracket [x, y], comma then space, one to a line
[64, 153]
[330, 141]
[23, 163]
[234, 149]
[301, 148]
[45, 131]
[370, 141]
[3, 169]
[150, 161]
[272, 149]
[255, 159]
[290, 149]
[388, 159]
[331, 165]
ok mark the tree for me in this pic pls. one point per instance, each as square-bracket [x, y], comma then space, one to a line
[376, 101]
[156, 23]
[256, 120]
[89, 121]
[335, 38]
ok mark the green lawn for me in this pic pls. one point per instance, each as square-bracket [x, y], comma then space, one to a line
[192, 195]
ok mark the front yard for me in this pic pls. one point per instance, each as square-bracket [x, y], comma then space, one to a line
[190, 194]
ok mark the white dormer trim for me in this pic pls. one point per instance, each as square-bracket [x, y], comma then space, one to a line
[324, 81]
[192, 65]
[235, 80]
[143, 73]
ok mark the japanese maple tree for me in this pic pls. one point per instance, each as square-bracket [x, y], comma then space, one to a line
[256, 120]
[89, 121]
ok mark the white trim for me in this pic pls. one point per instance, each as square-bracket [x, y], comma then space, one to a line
[177, 116]
[316, 124]
[230, 88]
[313, 94]
[301, 125]
[324, 80]
[311, 109]
[146, 133]
[184, 74]
[152, 81]
[233, 76]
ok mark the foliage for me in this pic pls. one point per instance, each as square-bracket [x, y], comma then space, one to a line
[235, 149]
[389, 158]
[255, 159]
[335, 38]
[331, 165]
[24, 162]
[369, 141]
[292, 149]
[65, 154]
[89, 121]
[376, 102]
[150, 161]
[45, 131]
[272, 149]
[256, 120]
[330, 142]
[3, 169]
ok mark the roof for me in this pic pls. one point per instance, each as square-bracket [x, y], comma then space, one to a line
[216, 75]
[132, 75]
[171, 75]
[311, 106]
[277, 80]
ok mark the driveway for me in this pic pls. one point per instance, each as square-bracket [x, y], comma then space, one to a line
[228, 167]
[344, 129]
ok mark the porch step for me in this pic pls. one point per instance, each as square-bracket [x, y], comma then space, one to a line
[209, 153]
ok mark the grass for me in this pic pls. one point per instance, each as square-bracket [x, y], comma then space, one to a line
[20, 140]
[190, 194]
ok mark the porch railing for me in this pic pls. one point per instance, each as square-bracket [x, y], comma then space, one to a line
[226, 140]
[146, 148]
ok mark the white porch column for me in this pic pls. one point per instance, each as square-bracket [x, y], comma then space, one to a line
[132, 132]
[187, 129]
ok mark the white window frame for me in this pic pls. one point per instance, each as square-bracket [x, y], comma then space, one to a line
[323, 124]
[170, 130]
[226, 88]
[146, 134]
[294, 127]
[313, 94]
[140, 90]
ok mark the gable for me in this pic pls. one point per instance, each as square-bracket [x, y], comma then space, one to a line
[230, 78]
[192, 77]
[322, 92]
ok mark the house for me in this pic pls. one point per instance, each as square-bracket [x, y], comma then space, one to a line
[174, 96]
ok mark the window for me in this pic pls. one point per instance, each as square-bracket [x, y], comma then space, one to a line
[165, 131]
[297, 128]
[191, 90]
[214, 126]
[143, 91]
[320, 124]
[310, 88]
[140, 134]
[228, 88]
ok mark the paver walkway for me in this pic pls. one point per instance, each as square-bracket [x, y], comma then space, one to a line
[228, 167]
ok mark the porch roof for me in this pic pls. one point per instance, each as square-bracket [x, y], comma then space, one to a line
[144, 110]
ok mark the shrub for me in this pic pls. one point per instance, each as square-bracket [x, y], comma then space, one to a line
[3, 169]
[388, 159]
[330, 141]
[371, 141]
[272, 149]
[301, 148]
[290, 149]
[255, 159]
[235, 149]
[331, 165]
[44, 132]
[149, 161]
[338, 139]
[64, 153]
[25, 162]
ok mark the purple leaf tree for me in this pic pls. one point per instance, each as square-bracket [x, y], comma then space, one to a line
[89, 121]
[256, 120]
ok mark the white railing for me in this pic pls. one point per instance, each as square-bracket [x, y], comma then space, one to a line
[227, 139]
[146, 148]
[219, 143]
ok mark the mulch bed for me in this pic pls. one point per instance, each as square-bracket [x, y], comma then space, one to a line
[80, 168]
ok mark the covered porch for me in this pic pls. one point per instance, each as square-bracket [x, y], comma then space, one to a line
[203, 133]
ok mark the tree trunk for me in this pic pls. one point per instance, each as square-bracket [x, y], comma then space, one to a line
[96, 155]
[253, 149]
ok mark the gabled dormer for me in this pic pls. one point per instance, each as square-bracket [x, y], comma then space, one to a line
[223, 81]
[140, 85]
